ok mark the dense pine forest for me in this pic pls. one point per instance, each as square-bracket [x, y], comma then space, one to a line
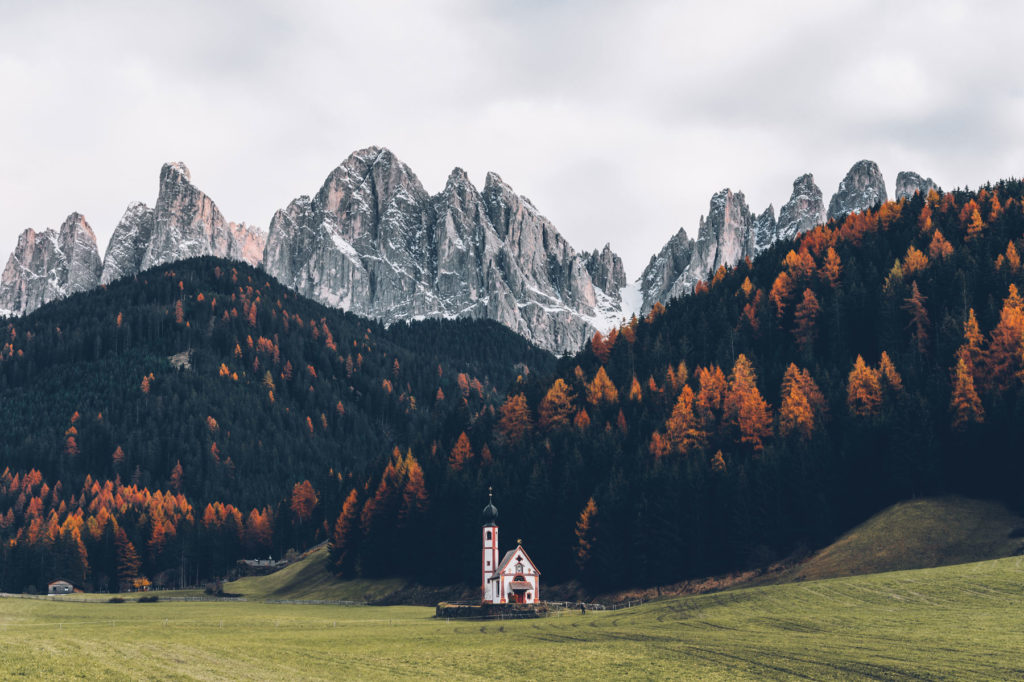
[166, 426]
[875, 358]
[207, 383]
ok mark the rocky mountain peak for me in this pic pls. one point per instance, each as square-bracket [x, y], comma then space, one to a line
[664, 270]
[175, 171]
[862, 188]
[606, 270]
[727, 235]
[909, 183]
[804, 210]
[184, 223]
[49, 265]
[724, 237]
[765, 229]
[374, 242]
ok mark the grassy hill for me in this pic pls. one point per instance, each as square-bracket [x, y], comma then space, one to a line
[943, 623]
[921, 533]
[309, 580]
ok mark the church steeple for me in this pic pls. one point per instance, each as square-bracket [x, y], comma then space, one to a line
[490, 588]
[490, 513]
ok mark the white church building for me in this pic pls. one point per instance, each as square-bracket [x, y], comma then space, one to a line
[513, 580]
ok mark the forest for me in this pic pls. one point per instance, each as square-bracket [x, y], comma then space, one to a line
[171, 424]
[205, 386]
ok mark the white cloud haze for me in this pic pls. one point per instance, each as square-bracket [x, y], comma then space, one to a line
[618, 119]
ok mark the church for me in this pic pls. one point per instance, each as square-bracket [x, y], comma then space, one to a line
[513, 580]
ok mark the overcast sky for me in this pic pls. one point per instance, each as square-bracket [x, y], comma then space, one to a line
[618, 119]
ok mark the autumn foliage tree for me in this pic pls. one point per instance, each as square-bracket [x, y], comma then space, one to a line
[683, 427]
[864, 390]
[964, 404]
[1003, 358]
[515, 422]
[556, 408]
[744, 407]
[345, 537]
[601, 389]
[919, 323]
[462, 452]
[586, 531]
[804, 317]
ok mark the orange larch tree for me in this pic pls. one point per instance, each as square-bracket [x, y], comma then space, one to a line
[601, 389]
[888, 374]
[804, 317]
[461, 453]
[975, 225]
[582, 420]
[964, 404]
[939, 248]
[345, 538]
[1003, 359]
[863, 390]
[683, 426]
[515, 421]
[781, 290]
[556, 408]
[970, 349]
[919, 324]
[585, 534]
[914, 261]
[711, 396]
[304, 501]
[831, 268]
[744, 407]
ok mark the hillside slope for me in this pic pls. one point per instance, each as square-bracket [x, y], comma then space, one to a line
[214, 365]
[922, 533]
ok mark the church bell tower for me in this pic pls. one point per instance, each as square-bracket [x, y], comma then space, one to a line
[490, 588]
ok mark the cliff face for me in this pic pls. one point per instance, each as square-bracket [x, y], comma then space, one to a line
[909, 183]
[374, 242]
[727, 235]
[606, 271]
[184, 223]
[862, 188]
[49, 265]
[665, 269]
[804, 210]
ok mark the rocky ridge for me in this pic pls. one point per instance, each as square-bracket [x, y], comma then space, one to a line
[729, 233]
[909, 183]
[184, 223]
[862, 188]
[49, 265]
[803, 211]
[374, 242]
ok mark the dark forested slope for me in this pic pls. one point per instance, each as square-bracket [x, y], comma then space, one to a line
[875, 358]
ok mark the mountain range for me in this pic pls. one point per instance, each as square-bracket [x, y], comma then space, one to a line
[374, 242]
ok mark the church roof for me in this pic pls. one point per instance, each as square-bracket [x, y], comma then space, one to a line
[507, 559]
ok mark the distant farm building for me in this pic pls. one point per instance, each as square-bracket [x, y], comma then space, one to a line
[513, 580]
[60, 587]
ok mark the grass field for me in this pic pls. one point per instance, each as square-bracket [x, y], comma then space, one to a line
[309, 579]
[941, 623]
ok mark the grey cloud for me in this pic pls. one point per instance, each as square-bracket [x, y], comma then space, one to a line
[619, 120]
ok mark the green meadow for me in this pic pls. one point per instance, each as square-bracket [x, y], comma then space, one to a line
[955, 622]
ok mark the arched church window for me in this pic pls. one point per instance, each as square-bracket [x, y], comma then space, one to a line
[488, 535]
